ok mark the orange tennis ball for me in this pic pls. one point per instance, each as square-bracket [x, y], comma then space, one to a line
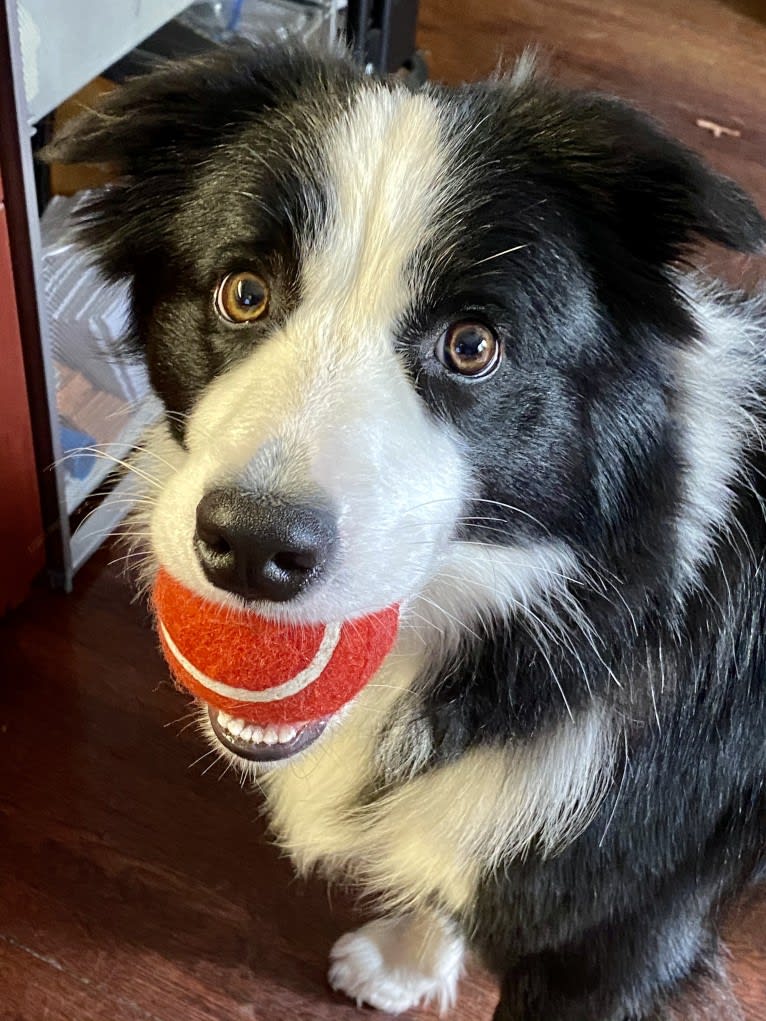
[264, 671]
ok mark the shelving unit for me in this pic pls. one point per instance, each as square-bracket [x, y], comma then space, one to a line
[54, 49]
[66, 43]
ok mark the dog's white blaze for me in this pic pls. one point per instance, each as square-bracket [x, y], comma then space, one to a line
[296, 684]
[387, 170]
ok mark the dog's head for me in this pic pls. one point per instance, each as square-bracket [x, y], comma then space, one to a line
[409, 343]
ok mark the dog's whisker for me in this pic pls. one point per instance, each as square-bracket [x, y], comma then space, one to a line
[193, 713]
[450, 616]
[138, 448]
[106, 456]
[207, 769]
[136, 555]
[201, 758]
[497, 255]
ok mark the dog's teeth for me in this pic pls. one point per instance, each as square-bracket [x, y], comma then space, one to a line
[270, 734]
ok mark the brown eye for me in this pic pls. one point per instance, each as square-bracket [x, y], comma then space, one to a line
[242, 298]
[471, 349]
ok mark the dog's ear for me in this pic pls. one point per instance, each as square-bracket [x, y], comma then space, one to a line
[623, 172]
[665, 195]
[157, 128]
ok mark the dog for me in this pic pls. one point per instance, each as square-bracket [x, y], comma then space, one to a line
[453, 341]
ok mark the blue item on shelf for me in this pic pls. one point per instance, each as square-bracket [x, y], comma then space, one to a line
[79, 463]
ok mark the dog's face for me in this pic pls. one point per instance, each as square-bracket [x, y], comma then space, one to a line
[408, 343]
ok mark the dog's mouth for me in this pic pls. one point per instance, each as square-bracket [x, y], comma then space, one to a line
[264, 744]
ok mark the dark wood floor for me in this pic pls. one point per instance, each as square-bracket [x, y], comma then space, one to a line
[137, 885]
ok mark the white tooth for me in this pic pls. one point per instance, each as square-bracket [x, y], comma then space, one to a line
[235, 727]
[271, 734]
[223, 718]
[257, 735]
[286, 733]
[246, 734]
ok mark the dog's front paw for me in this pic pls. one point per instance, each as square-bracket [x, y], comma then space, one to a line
[399, 963]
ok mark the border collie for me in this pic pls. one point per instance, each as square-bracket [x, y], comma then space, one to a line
[457, 329]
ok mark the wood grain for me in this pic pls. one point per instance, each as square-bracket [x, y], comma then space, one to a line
[137, 885]
[683, 62]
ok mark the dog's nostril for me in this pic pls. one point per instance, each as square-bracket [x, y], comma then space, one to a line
[211, 529]
[218, 545]
[295, 561]
[262, 549]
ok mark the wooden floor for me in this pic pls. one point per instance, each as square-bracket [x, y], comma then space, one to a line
[135, 883]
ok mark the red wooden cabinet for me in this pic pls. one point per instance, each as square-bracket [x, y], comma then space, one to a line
[22, 551]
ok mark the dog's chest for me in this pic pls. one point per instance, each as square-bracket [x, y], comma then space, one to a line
[430, 838]
[403, 843]
[405, 846]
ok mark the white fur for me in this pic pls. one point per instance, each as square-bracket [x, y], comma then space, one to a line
[719, 377]
[398, 963]
[525, 68]
[477, 583]
[420, 843]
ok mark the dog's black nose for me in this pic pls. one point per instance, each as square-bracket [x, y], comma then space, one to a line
[262, 548]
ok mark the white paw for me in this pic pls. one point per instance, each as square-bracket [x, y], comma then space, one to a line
[395, 964]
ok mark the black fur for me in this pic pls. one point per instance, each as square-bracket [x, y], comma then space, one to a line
[207, 177]
[576, 438]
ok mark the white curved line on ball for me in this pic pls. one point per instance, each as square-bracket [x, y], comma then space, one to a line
[292, 687]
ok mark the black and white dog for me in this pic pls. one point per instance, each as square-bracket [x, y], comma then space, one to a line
[449, 336]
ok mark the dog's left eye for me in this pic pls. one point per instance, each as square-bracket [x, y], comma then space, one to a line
[242, 298]
[469, 348]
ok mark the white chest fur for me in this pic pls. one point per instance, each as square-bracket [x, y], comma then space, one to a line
[430, 838]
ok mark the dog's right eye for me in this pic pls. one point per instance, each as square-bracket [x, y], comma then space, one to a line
[469, 349]
[241, 298]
